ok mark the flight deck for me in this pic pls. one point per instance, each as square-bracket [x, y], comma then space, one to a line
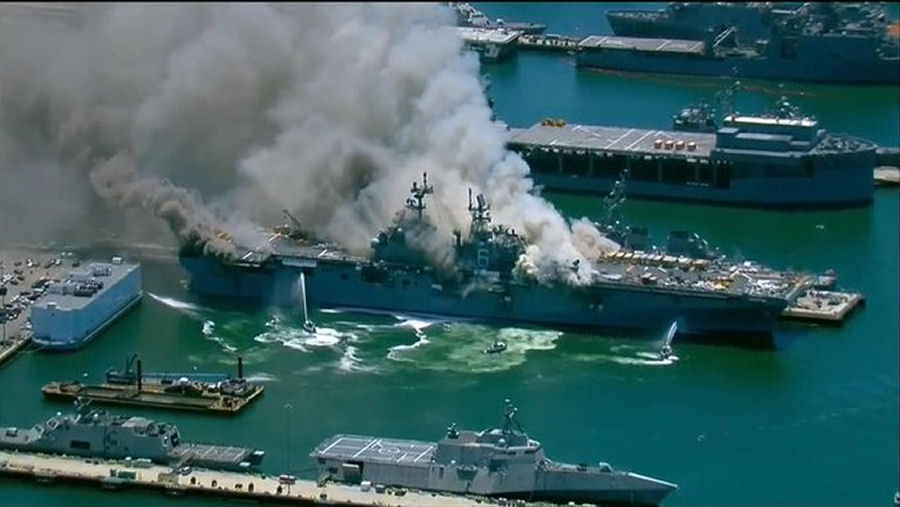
[615, 139]
[372, 449]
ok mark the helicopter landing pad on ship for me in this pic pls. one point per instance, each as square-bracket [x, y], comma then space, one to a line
[369, 449]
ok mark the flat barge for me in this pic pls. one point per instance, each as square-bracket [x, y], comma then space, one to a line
[113, 475]
[154, 395]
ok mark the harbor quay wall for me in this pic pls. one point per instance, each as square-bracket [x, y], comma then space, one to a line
[44, 468]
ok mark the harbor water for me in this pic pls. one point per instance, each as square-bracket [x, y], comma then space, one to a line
[813, 421]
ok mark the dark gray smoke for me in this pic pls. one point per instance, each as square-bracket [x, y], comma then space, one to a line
[329, 110]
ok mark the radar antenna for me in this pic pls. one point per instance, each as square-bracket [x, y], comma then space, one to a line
[81, 405]
[417, 201]
[480, 211]
[511, 424]
[783, 109]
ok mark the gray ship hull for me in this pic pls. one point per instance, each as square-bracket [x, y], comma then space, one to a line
[820, 67]
[513, 473]
[351, 285]
[835, 182]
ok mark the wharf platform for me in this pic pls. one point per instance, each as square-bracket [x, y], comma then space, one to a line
[823, 306]
[887, 176]
[152, 395]
[548, 42]
[13, 345]
[226, 485]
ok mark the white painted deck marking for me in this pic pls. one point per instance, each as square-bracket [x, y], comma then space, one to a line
[639, 140]
[366, 448]
[423, 453]
[336, 442]
[629, 131]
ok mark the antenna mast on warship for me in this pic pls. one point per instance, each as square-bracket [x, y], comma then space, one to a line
[417, 201]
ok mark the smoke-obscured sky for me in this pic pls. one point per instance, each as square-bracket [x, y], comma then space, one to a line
[218, 116]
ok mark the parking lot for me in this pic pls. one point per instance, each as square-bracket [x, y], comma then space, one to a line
[24, 276]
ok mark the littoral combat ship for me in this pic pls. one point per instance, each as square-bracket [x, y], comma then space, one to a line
[488, 282]
[97, 434]
[498, 462]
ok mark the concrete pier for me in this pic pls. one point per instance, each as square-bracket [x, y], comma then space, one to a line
[823, 306]
[231, 485]
[19, 270]
[549, 42]
[887, 176]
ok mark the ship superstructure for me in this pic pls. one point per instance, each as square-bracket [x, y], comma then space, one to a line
[499, 462]
[468, 16]
[98, 434]
[480, 278]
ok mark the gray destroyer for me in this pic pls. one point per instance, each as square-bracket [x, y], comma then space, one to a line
[495, 462]
[725, 302]
[97, 434]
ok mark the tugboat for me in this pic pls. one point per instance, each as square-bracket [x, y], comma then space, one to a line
[497, 347]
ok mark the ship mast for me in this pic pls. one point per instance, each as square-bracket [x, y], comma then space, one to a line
[480, 211]
[417, 201]
[511, 424]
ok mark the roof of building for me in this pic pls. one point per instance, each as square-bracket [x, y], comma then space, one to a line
[72, 302]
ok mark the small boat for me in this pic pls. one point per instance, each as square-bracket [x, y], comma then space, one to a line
[309, 327]
[665, 352]
[497, 347]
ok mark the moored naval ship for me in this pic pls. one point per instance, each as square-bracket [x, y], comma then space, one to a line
[779, 159]
[818, 43]
[469, 16]
[496, 462]
[97, 434]
[490, 280]
[691, 20]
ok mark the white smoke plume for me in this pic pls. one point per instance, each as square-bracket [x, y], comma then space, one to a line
[328, 110]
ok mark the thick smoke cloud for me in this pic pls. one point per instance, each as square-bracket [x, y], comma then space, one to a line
[330, 111]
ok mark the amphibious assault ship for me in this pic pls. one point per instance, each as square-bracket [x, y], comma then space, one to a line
[820, 43]
[779, 159]
[691, 20]
[490, 280]
[496, 462]
[97, 434]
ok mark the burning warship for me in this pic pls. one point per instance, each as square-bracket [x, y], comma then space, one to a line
[490, 281]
